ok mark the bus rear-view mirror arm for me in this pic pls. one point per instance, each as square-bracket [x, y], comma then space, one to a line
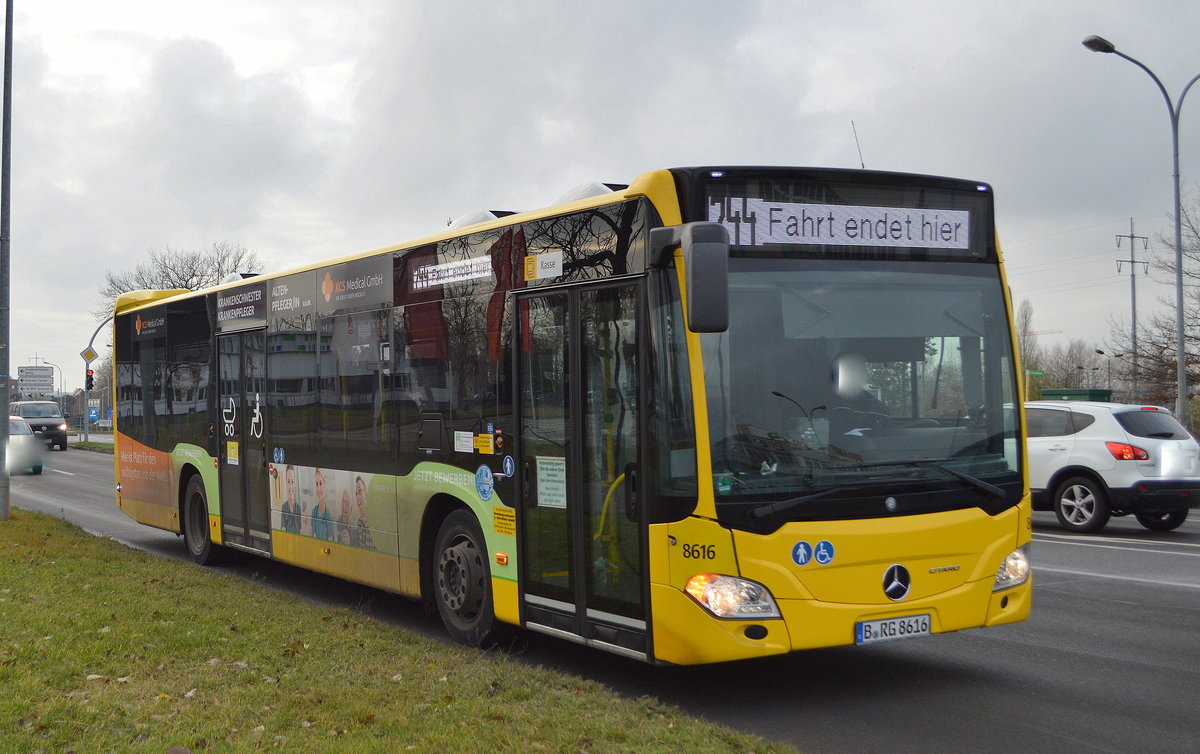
[706, 270]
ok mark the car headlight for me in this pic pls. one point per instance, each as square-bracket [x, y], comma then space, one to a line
[1014, 571]
[63, 426]
[732, 597]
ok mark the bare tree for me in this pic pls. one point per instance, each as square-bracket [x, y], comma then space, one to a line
[1032, 355]
[1027, 343]
[178, 268]
[1074, 365]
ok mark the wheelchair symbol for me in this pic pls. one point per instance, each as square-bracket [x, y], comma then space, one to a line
[823, 553]
[256, 424]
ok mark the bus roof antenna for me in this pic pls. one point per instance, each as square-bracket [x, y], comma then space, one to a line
[861, 164]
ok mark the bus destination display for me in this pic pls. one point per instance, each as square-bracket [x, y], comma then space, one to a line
[758, 222]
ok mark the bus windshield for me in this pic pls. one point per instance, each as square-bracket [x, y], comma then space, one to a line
[858, 389]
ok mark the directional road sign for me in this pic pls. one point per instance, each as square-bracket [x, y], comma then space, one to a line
[24, 372]
[35, 379]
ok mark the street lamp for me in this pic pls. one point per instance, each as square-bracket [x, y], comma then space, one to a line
[60, 381]
[1087, 378]
[1110, 356]
[1100, 44]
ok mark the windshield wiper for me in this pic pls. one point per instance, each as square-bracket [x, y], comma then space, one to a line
[988, 490]
[984, 488]
[780, 506]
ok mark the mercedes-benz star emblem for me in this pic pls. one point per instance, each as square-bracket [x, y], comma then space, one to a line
[896, 582]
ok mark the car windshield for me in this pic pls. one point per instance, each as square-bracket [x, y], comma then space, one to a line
[18, 427]
[838, 380]
[40, 411]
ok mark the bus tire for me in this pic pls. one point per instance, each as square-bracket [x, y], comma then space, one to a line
[195, 525]
[1081, 504]
[462, 580]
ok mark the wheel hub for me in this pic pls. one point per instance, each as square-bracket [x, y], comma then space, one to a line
[1078, 505]
[456, 576]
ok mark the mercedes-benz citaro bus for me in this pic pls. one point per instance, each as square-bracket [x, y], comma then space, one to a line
[719, 413]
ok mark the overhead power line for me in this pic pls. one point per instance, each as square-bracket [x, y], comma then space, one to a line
[1133, 263]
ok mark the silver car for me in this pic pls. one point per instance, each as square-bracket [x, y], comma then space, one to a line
[24, 447]
[1089, 461]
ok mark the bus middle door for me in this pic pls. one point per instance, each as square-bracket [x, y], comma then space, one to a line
[245, 505]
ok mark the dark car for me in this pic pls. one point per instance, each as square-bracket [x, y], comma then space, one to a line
[46, 420]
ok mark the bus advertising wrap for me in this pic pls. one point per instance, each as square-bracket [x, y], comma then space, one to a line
[242, 308]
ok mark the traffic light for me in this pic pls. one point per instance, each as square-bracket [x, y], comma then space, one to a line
[91, 379]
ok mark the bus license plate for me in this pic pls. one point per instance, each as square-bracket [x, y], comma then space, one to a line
[890, 629]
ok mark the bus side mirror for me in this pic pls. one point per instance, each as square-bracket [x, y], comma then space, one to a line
[706, 270]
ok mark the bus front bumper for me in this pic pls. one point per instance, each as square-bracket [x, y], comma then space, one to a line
[686, 634]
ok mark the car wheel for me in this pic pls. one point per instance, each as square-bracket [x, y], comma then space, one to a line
[1081, 504]
[195, 525]
[462, 581]
[1162, 521]
[38, 469]
[62, 445]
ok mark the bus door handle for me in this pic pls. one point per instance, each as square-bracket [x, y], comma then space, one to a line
[525, 482]
[632, 494]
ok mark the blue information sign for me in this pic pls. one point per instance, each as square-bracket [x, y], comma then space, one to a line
[802, 552]
[823, 553]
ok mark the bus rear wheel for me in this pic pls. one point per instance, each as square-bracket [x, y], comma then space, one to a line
[462, 581]
[195, 525]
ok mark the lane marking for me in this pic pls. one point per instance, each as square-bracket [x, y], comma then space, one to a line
[1094, 575]
[60, 471]
[1142, 544]
[1135, 549]
[1092, 539]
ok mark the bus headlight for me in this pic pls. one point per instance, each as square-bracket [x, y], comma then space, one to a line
[732, 597]
[1014, 571]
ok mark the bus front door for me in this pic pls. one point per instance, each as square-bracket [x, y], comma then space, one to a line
[579, 383]
[245, 505]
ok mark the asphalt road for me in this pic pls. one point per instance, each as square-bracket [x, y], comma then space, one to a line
[1109, 661]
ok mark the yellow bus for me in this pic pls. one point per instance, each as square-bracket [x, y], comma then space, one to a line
[715, 414]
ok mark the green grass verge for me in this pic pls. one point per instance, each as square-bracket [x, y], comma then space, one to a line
[100, 447]
[104, 648]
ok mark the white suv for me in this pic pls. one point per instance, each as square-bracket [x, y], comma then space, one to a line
[1089, 461]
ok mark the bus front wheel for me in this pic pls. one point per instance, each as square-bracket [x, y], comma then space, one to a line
[462, 581]
[195, 525]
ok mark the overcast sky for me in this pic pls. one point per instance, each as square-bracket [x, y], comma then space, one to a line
[304, 130]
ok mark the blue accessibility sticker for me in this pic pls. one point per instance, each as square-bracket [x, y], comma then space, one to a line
[802, 552]
[509, 466]
[485, 483]
[823, 553]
